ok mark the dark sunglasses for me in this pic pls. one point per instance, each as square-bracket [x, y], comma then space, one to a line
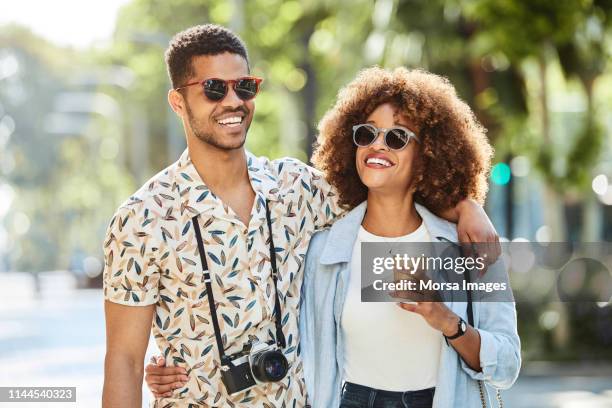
[215, 89]
[395, 138]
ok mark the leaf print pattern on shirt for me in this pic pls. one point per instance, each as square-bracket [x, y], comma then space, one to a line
[151, 257]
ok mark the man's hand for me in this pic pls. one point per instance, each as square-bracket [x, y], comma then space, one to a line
[162, 380]
[475, 227]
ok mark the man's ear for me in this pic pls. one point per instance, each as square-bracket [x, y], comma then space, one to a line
[177, 102]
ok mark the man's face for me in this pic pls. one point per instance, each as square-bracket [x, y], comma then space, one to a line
[203, 116]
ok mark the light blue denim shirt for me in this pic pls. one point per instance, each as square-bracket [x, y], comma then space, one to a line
[326, 277]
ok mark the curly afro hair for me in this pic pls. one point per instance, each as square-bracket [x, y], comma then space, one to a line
[207, 39]
[454, 154]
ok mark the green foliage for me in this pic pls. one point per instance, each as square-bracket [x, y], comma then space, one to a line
[521, 28]
[64, 188]
[585, 150]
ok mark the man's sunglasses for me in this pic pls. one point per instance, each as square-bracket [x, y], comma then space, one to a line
[395, 138]
[216, 89]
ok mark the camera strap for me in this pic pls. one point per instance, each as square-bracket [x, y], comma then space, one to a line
[209, 292]
[280, 337]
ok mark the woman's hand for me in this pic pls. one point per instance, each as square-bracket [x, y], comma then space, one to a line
[162, 380]
[436, 314]
[443, 319]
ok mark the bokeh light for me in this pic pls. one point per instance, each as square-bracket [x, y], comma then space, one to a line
[500, 174]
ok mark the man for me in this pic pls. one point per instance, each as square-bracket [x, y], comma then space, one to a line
[154, 273]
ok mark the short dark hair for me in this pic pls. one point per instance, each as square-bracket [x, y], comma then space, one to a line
[206, 39]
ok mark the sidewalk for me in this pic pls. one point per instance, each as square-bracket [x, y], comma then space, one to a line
[562, 385]
[57, 339]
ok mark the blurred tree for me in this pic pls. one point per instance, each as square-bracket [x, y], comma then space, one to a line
[539, 30]
[66, 181]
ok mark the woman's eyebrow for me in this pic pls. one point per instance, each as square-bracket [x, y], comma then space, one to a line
[400, 122]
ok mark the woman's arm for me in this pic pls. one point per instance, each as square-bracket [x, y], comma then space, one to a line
[490, 352]
[500, 346]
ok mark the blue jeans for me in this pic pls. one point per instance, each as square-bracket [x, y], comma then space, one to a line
[360, 396]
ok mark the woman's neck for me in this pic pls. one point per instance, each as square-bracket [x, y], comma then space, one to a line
[391, 215]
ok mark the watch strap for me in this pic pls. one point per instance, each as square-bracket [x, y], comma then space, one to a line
[460, 331]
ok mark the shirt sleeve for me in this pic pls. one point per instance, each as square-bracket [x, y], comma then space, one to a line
[131, 275]
[321, 198]
[500, 345]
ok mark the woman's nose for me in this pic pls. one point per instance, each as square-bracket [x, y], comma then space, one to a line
[379, 142]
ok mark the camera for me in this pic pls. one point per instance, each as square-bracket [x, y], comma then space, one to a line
[257, 363]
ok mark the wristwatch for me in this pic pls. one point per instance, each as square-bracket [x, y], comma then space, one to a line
[461, 329]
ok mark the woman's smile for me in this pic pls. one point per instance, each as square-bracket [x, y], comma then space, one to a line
[378, 161]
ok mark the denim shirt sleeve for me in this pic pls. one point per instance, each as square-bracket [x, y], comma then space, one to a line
[500, 349]
[306, 327]
[308, 313]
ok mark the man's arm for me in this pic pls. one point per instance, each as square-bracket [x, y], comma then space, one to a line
[474, 227]
[127, 336]
[321, 197]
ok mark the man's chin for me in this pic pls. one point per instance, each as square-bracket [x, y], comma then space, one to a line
[226, 146]
[226, 142]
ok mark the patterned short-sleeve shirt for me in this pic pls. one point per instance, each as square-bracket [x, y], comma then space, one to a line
[152, 257]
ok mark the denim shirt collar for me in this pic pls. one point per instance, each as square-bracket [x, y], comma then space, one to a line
[343, 233]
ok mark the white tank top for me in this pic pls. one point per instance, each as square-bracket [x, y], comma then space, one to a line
[386, 347]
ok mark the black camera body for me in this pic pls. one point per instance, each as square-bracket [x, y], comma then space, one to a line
[256, 364]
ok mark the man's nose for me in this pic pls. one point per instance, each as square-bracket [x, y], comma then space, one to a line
[231, 100]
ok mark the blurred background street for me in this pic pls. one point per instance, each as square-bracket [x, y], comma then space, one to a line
[84, 122]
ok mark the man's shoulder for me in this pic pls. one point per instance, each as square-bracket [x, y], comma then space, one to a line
[284, 165]
[154, 193]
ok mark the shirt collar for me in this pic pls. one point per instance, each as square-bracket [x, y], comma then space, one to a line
[342, 235]
[195, 196]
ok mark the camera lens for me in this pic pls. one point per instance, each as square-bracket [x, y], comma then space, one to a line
[270, 366]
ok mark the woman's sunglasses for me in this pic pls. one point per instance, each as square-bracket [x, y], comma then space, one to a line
[215, 89]
[395, 138]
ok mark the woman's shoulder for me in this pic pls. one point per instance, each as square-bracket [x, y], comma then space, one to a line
[437, 226]
[317, 244]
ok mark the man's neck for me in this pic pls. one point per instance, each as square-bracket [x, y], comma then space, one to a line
[221, 170]
[391, 215]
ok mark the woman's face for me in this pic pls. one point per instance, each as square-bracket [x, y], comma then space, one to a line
[380, 168]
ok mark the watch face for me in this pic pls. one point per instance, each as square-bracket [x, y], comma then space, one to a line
[463, 326]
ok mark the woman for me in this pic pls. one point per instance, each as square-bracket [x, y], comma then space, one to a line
[397, 146]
